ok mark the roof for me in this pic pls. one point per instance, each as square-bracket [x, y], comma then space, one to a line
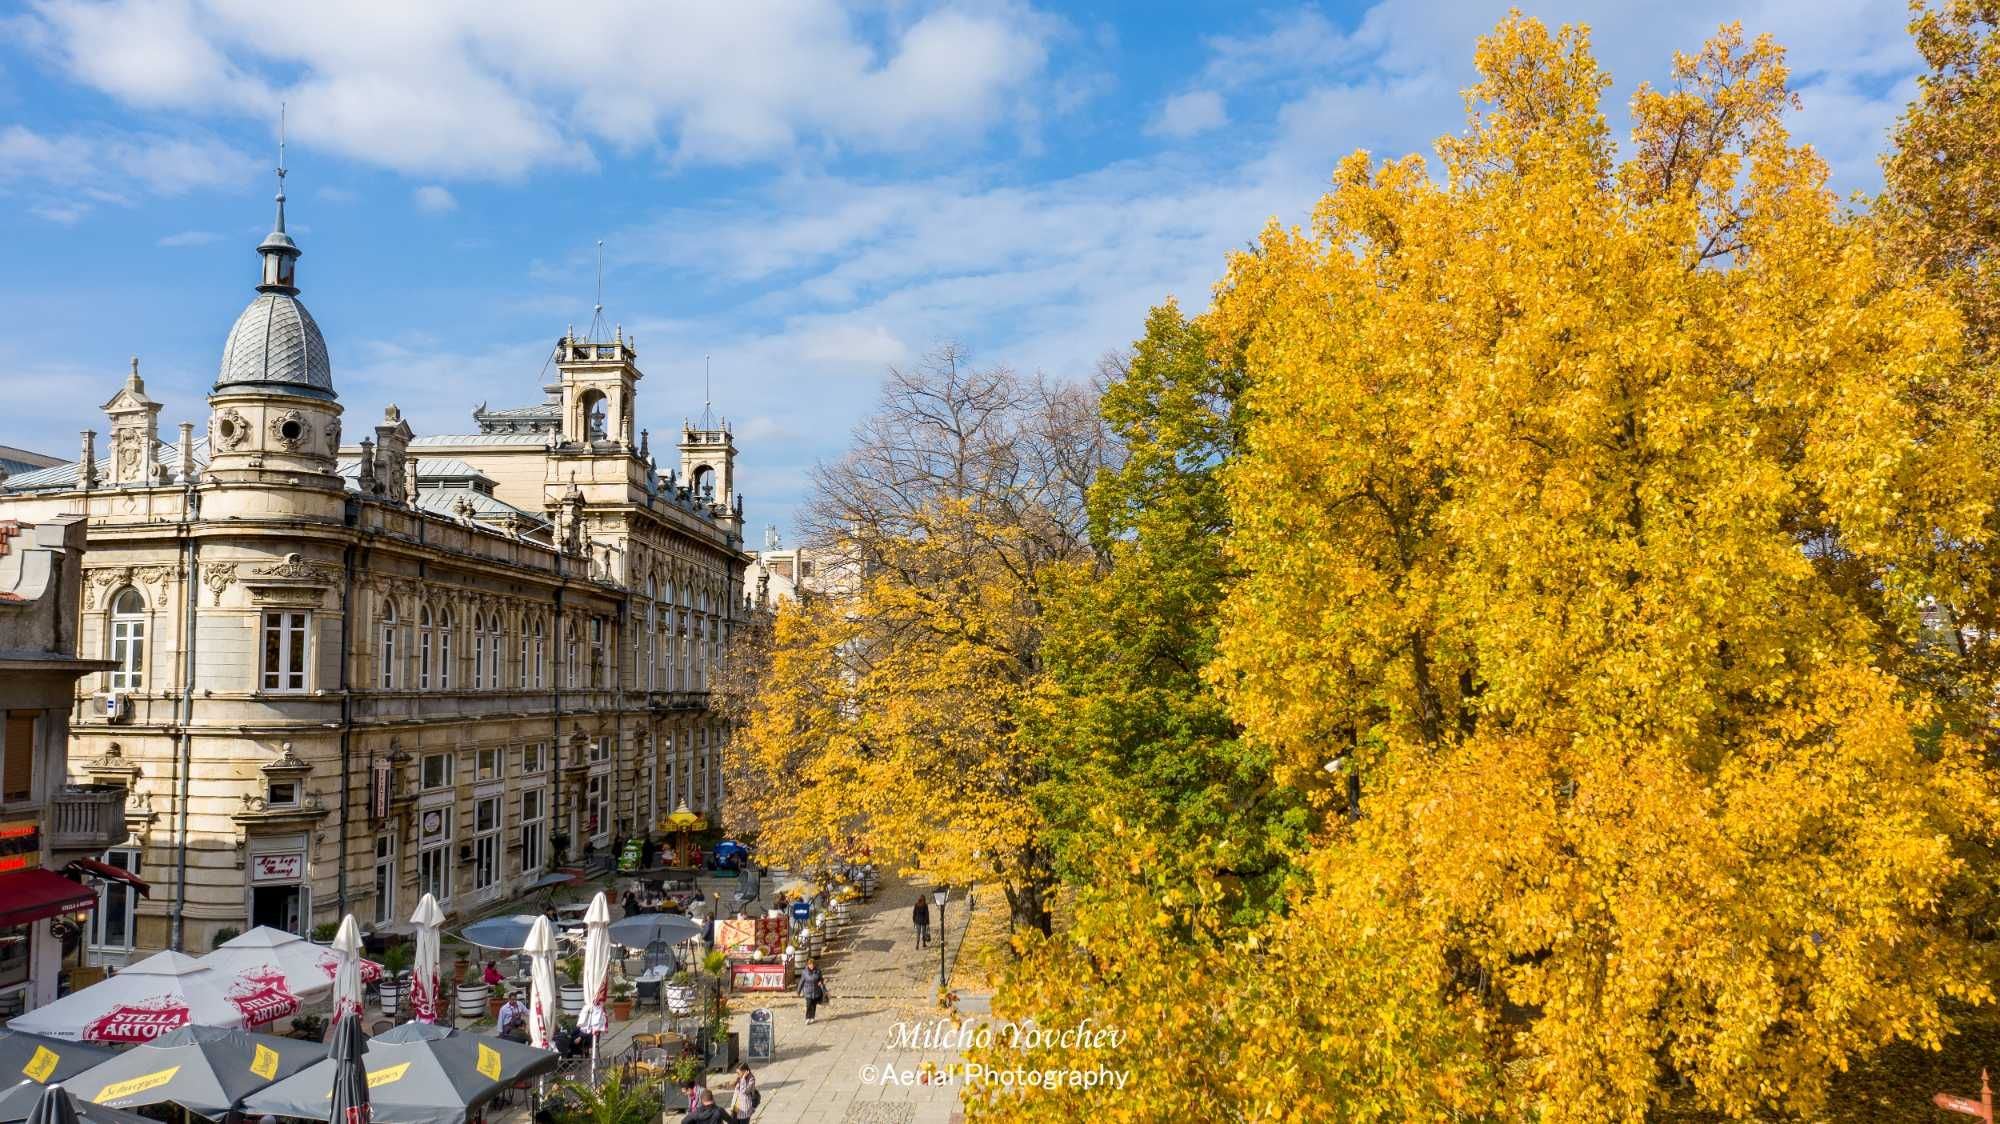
[276, 346]
[445, 501]
[62, 477]
[523, 440]
[16, 461]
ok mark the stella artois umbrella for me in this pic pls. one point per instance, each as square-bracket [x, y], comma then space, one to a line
[424, 986]
[204, 1069]
[541, 950]
[347, 974]
[307, 968]
[158, 994]
[43, 1061]
[56, 1105]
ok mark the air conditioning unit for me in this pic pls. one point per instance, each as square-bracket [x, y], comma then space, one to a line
[117, 707]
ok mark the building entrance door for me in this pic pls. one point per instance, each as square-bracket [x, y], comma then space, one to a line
[280, 907]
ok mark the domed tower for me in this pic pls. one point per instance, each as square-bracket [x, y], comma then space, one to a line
[272, 414]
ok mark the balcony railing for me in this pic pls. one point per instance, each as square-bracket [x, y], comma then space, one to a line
[87, 817]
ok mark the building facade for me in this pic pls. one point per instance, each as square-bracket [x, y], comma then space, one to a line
[46, 824]
[348, 672]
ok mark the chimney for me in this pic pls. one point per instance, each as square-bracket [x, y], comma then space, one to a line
[187, 452]
[86, 469]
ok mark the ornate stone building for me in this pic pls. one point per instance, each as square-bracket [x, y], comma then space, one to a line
[347, 672]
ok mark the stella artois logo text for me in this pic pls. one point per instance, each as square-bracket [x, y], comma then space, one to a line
[134, 1023]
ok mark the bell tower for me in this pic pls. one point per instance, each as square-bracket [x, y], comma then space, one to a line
[708, 465]
[600, 383]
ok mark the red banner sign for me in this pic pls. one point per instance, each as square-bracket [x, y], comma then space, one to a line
[758, 977]
[137, 1024]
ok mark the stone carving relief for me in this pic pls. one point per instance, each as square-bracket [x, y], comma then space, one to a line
[296, 568]
[333, 436]
[289, 429]
[102, 581]
[230, 430]
[217, 576]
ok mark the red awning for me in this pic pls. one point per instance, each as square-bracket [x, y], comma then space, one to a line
[30, 895]
[106, 870]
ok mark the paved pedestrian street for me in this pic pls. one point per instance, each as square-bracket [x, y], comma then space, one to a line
[845, 1068]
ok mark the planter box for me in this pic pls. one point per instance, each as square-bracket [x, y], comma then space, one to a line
[680, 999]
[472, 1001]
[391, 997]
[571, 999]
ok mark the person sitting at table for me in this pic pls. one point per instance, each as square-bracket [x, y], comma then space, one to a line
[632, 906]
[513, 1019]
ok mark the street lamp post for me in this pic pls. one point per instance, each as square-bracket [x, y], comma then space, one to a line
[940, 896]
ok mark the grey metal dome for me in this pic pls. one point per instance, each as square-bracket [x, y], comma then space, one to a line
[276, 346]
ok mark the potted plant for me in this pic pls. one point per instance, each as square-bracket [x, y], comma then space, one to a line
[323, 933]
[226, 934]
[621, 999]
[395, 971]
[681, 993]
[617, 1099]
[684, 1071]
[311, 1028]
[571, 989]
[471, 999]
[496, 1000]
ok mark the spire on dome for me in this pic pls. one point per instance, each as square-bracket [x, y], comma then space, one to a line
[280, 252]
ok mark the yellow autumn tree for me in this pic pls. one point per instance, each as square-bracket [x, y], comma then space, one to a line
[1595, 511]
[885, 709]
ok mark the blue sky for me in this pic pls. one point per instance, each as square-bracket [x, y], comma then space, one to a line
[806, 192]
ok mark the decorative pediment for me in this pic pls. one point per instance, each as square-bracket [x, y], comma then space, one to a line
[293, 581]
[286, 765]
[112, 767]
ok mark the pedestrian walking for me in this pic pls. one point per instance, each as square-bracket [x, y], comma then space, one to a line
[812, 988]
[922, 916]
[743, 1105]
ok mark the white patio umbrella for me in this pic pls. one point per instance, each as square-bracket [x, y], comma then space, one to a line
[596, 965]
[154, 996]
[306, 969]
[541, 950]
[424, 988]
[347, 974]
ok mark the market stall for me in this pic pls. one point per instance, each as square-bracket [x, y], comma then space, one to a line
[755, 947]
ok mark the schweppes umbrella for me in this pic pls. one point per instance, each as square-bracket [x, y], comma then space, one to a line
[205, 1069]
[31, 1057]
[55, 1105]
[418, 1073]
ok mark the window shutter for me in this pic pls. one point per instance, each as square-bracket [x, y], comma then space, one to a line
[17, 779]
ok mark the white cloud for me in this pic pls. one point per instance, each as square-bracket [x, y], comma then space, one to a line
[433, 200]
[190, 238]
[1189, 114]
[462, 88]
[66, 175]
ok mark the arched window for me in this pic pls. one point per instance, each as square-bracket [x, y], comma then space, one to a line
[128, 640]
[479, 651]
[388, 645]
[652, 645]
[704, 484]
[496, 640]
[424, 648]
[571, 671]
[541, 656]
[444, 650]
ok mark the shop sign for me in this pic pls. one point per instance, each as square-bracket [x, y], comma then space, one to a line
[759, 977]
[383, 788]
[288, 866]
[762, 1046]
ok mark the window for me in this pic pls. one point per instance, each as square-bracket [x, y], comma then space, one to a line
[424, 648]
[541, 656]
[489, 765]
[128, 640]
[444, 650]
[598, 665]
[17, 770]
[486, 845]
[533, 807]
[111, 922]
[496, 639]
[385, 879]
[285, 650]
[597, 806]
[600, 750]
[437, 770]
[281, 794]
[652, 646]
[570, 676]
[478, 652]
[434, 852]
[388, 646]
